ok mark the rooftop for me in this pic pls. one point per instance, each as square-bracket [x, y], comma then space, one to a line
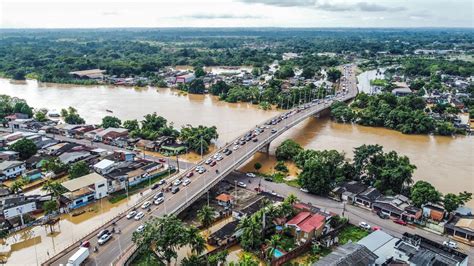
[350, 254]
[224, 197]
[9, 164]
[83, 181]
[103, 164]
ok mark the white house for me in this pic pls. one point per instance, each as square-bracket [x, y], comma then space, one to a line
[104, 167]
[11, 169]
[86, 189]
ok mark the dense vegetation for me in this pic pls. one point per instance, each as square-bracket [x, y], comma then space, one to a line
[10, 105]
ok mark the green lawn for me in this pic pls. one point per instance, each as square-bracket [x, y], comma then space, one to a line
[353, 233]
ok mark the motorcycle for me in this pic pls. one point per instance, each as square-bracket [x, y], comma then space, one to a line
[96, 249]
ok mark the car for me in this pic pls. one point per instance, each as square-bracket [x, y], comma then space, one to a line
[255, 140]
[174, 190]
[186, 182]
[103, 239]
[450, 244]
[217, 155]
[139, 216]
[189, 174]
[155, 186]
[213, 163]
[382, 215]
[242, 142]
[228, 152]
[400, 221]
[220, 158]
[131, 214]
[241, 184]
[252, 175]
[159, 195]
[140, 228]
[177, 182]
[162, 182]
[208, 161]
[146, 205]
[376, 228]
[274, 131]
[364, 225]
[236, 147]
[201, 170]
[158, 201]
[85, 244]
[304, 190]
[161, 160]
[269, 179]
[103, 232]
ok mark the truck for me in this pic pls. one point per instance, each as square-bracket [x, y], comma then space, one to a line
[79, 257]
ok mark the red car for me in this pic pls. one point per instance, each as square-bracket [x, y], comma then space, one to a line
[189, 174]
[85, 244]
[161, 160]
[213, 163]
[376, 228]
[400, 221]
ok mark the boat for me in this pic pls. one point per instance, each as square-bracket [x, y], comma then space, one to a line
[110, 111]
[78, 213]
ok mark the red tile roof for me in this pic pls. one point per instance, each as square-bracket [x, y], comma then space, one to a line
[300, 217]
[224, 197]
[307, 222]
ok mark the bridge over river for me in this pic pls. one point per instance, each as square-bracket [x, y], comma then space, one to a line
[120, 245]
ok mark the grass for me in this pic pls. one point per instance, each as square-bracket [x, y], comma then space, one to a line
[293, 183]
[120, 195]
[352, 233]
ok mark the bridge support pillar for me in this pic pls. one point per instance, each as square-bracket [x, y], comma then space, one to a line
[265, 149]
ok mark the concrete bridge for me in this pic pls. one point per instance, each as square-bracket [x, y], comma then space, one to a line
[120, 246]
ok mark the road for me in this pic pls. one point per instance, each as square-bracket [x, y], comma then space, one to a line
[200, 183]
[354, 213]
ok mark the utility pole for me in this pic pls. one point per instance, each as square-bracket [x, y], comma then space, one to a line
[201, 147]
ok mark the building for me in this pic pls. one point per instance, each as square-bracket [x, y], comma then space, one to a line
[350, 254]
[108, 135]
[88, 74]
[225, 200]
[104, 167]
[11, 169]
[367, 197]
[461, 228]
[401, 91]
[381, 244]
[84, 190]
[433, 212]
[393, 206]
[348, 191]
[9, 155]
[305, 226]
[185, 78]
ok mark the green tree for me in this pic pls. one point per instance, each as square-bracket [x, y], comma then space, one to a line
[54, 165]
[50, 206]
[25, 147]
[18, 185]
[280, 166]
[23, 108]
[206, 215]
[252, 227]
[71, 116]
[273, 243]
[308, 73]
[285, 72]
[40, 116]
[197, 137]
[111, 121]
[333, 74]
[196, 86]
[199, 72]
[423, 192]
[247, 259]
[131, 125]
[341, 112]
[153, 122]
[220, 87]
[451, 201]
[78, 169]
[257, 166]
[287, 150]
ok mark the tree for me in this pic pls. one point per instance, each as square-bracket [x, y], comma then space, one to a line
[423, 192]
[198, 137]
[206, 215]
[78, 169]
[285, 72]
[53, 187]
[199, 72]
[196, 86]
[111, 121]
[40, 116]
[248, 260]
[195, 240]
[364, 156]
[131, 125]
[25, 147]
[50, 206]
[308, 73]
[23, 108]
[281, 167]
[153, 122]
[220, 87]
[341, 112]
[333, 74]
[252, 227]
[287, 150]
[273, 243]
[71, 116]
[54, 165]
[18, 185]
[451, 201]
[257, 166]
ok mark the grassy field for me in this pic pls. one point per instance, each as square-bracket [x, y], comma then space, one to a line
[352, 233]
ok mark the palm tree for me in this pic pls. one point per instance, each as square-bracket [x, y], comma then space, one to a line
[17, 185]
[54, 188]
[291, 199]
[206, 216]
[194, 260]
[218, 258]
[196, 241]
[273, 243]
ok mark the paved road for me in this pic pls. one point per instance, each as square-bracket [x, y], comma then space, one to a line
[354, 213]
[200, 183]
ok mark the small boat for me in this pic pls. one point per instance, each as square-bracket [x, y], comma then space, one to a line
[110, 111]
[78, 213]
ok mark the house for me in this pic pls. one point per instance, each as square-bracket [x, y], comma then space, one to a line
[172, 149]
[104, 167]
[72, 157]
[88, 74]
[125, 156]
[11, 169]
[84, 190]
[461, 228]
[108, 135]
[305, 226]
[81, 131]
[349, 254]
[33, 175]
[417, 250]
[401, 91]
[433, 212]
[90, 135]
[9, 155]
[381, 244]
[185, 78]
[348, 191]
[224, 235]
[393, 206]
[225, 200]
[367, 197]
[15, 116]
[18, 205]
[412, 214]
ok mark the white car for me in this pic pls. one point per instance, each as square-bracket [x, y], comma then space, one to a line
[158, 201]
[186, 182]
[208, 161]
[242, 184]
[252, 175]
[140, 228]
[364, 225]
[236, 147]
[131, 214]
[146, 205]
[103, 239]
[219, 158]
[304, 190]
[217, 155]
[177, 182]
[139, 216]
[450, 244]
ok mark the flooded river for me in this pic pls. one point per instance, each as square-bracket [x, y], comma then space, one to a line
[444, 161]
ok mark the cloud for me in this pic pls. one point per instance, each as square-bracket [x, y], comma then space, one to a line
[327, 5]
[221, 16]
[110, 13]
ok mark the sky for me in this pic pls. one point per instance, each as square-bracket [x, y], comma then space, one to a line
[235, 13]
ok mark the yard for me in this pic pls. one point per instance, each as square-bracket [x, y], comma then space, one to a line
[353, 233]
